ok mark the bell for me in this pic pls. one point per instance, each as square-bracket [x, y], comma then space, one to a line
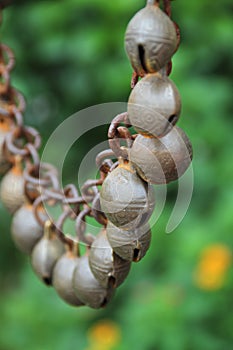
[106, 266]
[62, 278]
[130, 245]
[46, 253]
[25, 229]
[163, 160]
[125, 199]
[150, 39]
[87, 288]
[5, 127]
[154, 105]
[12, 188]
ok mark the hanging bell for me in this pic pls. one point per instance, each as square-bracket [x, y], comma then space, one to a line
[12, 187]
[163, 160]
[154, 105]
[108, 268]
[46, 253]
[125, 199]
[5, 127]
[130, 245]
[62, 278]
[25, 230]
[87, 288]
[150, 39]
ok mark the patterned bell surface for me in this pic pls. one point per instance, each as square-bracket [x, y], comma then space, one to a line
[163, 160]
[130, 245]
[150, 39]
[107, 267]
[154, 105]
[125, 198]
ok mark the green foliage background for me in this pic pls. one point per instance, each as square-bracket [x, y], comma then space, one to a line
[70, 55]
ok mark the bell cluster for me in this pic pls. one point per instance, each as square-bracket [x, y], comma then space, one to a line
[160, 152]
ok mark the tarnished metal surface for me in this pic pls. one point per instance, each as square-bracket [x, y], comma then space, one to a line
[120, 199]
[154, 105]
[62, 278]
[163, 160]
[130, 245]
[87, 288]
[124, 197]
[107, 267]
[150, 40]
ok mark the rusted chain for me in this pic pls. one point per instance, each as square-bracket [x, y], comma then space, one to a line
[134, 79]
[5, 79]
[117, 133]
[120, 118]
[38, 203]
[18, 99]
[18, 134]
[59, 229]
[9, 59]
[101, 160]
[80, 227]
[167, 7]
[42, 185]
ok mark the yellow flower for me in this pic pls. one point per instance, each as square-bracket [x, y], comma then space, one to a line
[212, 267]
[104, 335]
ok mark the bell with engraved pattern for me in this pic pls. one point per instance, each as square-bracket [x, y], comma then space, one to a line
[150, 39]
[154, 105]
[107, 267]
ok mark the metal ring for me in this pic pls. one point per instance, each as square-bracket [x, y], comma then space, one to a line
[17, 99]
[120, 118]
[10, 56]
[80, 227]
[102, 156]
[29, 133]
[118, 150]
[39, 200]
[4, 85]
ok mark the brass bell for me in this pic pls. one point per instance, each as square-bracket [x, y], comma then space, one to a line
[106, 266]
[87, 288]
[130, 245]
[62, 278]
[154, 105]
[25, 229]
[12, 188]
[150, 39]
[46, 253]
[160, 161]
[125, 199]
